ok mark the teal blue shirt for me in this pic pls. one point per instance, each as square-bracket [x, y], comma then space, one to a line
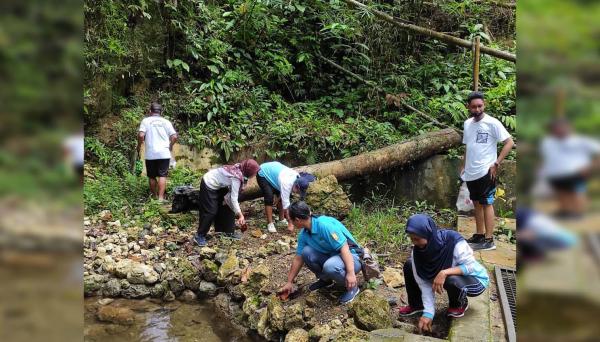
[327, 236]
[271, 171]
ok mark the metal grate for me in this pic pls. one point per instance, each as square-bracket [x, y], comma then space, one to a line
[506, 279]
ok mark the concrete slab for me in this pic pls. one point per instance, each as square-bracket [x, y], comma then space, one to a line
[476, 324]
[398, 335]
[505, 253]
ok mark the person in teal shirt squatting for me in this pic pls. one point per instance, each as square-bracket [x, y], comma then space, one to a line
[328, 249]
[275, 178]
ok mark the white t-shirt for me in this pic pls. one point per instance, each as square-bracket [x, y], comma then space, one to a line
[158, 130]
[216, 179]
[481, 138]
[568, 156]
[287, 177]
[75, 146]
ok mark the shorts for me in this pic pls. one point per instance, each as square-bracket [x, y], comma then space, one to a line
[576, 183]
[267, 189]
[157, 167]
[482, 190]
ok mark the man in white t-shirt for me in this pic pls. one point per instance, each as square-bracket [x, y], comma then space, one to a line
[568, 160]
[482, 133]
[159, 137]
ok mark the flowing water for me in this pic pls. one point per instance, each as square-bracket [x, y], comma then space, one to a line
[174, 321]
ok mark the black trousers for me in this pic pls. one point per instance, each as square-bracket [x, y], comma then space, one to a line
[267, 189]
[213, 210]
[458, 288]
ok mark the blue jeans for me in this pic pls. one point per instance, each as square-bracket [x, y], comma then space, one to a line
[327, 267]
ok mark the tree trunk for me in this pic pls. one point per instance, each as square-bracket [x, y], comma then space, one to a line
[434, 34]
[400, 154]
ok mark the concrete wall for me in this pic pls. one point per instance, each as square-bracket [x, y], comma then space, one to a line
[435, 180]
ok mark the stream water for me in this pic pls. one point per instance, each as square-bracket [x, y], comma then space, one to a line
[174, 321]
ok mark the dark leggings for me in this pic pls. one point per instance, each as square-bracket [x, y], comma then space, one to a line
[457, 286]
[267, 189]
[212, 209]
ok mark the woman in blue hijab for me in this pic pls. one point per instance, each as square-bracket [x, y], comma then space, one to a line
[441, 260]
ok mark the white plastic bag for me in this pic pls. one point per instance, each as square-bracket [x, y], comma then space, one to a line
[463, 202]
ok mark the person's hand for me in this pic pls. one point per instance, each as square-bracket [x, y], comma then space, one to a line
[290, 228]
[424, 324]
[286, 289]
[241, 220]
[350, 281]
[438, 282]
[493, 171]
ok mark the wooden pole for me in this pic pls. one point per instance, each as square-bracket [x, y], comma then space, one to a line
[434, 34]
[476, 48]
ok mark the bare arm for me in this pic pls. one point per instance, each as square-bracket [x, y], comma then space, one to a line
[140, 140]
[295, 269]
[172, 140]
[508, 145]
[349, 263]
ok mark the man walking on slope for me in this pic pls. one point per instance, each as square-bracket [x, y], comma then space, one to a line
[481, 135]
[159, 137]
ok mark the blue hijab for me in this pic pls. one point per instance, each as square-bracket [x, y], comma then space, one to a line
[438, 253]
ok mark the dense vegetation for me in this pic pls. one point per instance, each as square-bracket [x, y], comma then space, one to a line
[237, 74]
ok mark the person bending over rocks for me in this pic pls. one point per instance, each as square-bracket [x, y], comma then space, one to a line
[275, 178]
[219, 192]
[328, 249]
[441, 260]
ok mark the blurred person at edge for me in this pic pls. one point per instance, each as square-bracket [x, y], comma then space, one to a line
[74, 152]
[568, 160]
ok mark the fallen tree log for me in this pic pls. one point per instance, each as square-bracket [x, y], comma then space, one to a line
[400, 154]
[434, 34]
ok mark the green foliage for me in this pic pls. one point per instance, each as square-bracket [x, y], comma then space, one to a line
[121, 195]
[112, 160]
[381, 224]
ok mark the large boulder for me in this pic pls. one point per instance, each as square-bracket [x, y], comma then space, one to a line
[276, 314]
[111, 288]
[210, 270]
[116, 315]
[229, 266]
[135, 291]
[326, 196]
[259, 277]
[371, 311]
[190, 275]
[207, 289]
[142, 274]
[294, 317]
[93, 283]
[393, 277]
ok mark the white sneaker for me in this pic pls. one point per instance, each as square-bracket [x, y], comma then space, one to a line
[271, 228]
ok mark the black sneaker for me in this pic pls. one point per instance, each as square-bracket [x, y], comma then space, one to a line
[486, 245]
[319, 284]
[476, 238]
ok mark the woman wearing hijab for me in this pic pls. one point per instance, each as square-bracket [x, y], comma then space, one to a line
[441, 260]
[275, 178]
[219, 192]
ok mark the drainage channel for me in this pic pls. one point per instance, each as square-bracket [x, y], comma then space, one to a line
[506, 279]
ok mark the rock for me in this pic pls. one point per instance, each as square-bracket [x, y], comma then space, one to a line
[123, 267]
[100, 252]
[257, 233]
[371, 312]
[115, 224]
[149, 241]
[282, 247]
[321, 332]
[294, 317]
[158, 290]
[391, 335]
[393, 277]
[263, 322]
[259, 277]
[220, 257]
[169, 296]
[189, 274]
[210, 270]
[159, 268]
[352, 334]
[188, 296]
[172, 246]
[207, 253]
[276, 314]
[326, 197]
[312, 298]
[142, 274]
[86, 222]
[135, 291]
[230, 265]
[112, 288]
[105, 301]
[93, 283]
[297, 335]
[116, 315]
[207, 289]
[105, 215]
[336, 324]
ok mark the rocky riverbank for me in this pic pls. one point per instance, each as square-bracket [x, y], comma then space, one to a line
[241, 277]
